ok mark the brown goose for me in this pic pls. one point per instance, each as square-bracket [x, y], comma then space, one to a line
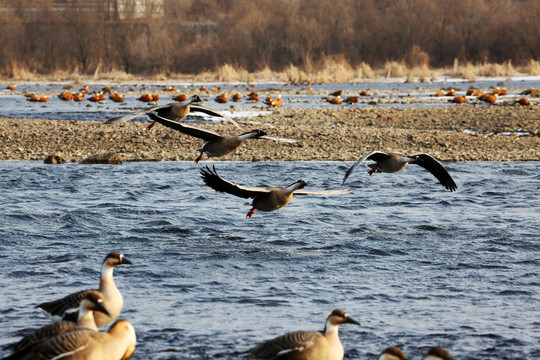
[91, 304]
[174, 111]
[215, 144]
[84, 344]
[112, 298]
[392, 353]
[263, 199]
[307, 345]
[394, 162]
[437, 353]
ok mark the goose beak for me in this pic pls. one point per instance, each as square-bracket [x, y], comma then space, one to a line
[350, 320]
[126, 261]
[99, 307]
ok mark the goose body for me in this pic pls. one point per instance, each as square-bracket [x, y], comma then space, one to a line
[394, 162]
[263, 199]
[112, 297]
[118, 343]
[306, 345]
[90, 305]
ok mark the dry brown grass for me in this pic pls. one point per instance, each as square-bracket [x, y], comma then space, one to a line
[331, 70]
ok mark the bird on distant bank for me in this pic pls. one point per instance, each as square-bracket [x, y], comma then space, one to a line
[215, 144]
[174, 111]
[263, 199]
[112, 298]
[307, 345]
[394, 162]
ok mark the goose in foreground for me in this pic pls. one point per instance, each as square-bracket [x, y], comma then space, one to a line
[112, 298]
[175, 111]
[307, 345]
[215, 144]
[91, 304]
[394, 162]
[392, 353]
[437, 353]
[118, 343]
[263, 199]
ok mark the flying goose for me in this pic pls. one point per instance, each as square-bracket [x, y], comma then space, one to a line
[392, 353]
[118, 343]
[394, 162]
[307, 345]
[90, 305]
[112, 298]
[175, 111]
[263, 199]
[215, 144]
[437, 353]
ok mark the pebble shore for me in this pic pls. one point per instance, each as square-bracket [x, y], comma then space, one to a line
[449, 133]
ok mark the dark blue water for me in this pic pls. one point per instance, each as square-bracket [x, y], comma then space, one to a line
[415, 264]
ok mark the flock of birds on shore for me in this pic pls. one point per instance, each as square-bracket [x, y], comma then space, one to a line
[77, 336]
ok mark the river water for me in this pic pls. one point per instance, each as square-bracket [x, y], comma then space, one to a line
[416, 265]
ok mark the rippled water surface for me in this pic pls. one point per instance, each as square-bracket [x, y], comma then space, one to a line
[415, 264]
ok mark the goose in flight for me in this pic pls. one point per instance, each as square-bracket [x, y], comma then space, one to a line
[175, 111]
[112, 298]
[394, 162]
[263, 199]
[307, 345]
[215, 144]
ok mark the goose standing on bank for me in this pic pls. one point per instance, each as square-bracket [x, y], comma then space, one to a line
[118, 343]
[307, 345]
[112, 298]
[90, 305]
[215, 144]
[394, 162]
[175, 111]
[263, 199]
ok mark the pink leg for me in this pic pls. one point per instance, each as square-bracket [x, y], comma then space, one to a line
[250, 213]
[199, 158]
[151, 125]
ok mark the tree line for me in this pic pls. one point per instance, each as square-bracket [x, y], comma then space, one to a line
[192, 36]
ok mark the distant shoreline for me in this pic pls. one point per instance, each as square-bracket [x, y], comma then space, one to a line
[335, 134]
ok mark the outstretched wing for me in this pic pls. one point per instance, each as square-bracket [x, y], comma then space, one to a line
[130, 116]
[60, 306]
[372, 155]
[206, 135]
[216, 182]
[202, 109]
[324, 192]
[436, 169]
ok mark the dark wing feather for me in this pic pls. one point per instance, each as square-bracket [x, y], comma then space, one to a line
[130, 116]
[69, 343]
[372, 155]
[42, 334]
[216, 182]
[285, 345]
[60, 306]
[436, 169]
[206, 135]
